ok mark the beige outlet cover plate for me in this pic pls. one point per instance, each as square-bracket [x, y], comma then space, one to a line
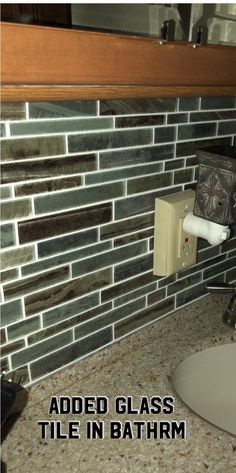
[206, 382]
[174, 249]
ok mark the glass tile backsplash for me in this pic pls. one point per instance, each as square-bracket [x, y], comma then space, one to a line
[79, 181]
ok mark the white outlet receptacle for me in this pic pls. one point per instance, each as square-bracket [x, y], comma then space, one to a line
[174, 249]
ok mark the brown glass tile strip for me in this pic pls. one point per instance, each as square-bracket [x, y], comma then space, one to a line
[13, 111]
[46, 168]
[41, 228]
[56, 295]
[11, 347]
[25, 286]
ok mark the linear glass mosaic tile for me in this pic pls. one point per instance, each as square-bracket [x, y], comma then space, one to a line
[60, 126]
[137, 106]
[208, 103]
[13, 111]
[28, 148]
[7, 235]
[79, 182]
[10, 312]
[188, 103]
[57, 224]
[47, 168]
[108, 140]
[132, 157]
[62, 109]
[71, 321]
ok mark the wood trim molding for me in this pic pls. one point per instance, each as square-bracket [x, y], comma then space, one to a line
[48, 93]
[42, 63]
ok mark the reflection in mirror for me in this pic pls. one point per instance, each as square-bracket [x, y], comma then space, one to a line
[220, 20]
[140, 19]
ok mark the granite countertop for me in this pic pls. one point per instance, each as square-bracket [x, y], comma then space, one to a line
[139, 365]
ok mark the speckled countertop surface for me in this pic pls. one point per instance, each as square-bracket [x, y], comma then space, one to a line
[138, 365]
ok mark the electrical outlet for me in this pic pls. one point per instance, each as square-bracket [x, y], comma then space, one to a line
[174, 249]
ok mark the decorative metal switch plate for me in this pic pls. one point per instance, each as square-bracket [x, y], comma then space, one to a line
[216, 187]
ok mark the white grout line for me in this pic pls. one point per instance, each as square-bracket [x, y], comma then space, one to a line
[125, 184]
[100, 296]
[177, 105]
[42, 158]
[92, 244]
[23, 311]
[15, 231]
[70, 271]
[113, 332]
[29, 373]
[153, 135]
[6, 334]
[97, 163]
[27, 111]
[9, 363]
[25, 338]
[66, 144]
[41, 323]
[2, 298]
[145, 301]
[50, 120]
[32, 201]
[7, 129]
[113, 219]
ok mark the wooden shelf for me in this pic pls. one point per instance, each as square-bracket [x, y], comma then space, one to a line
[48, 93]
[42, 63]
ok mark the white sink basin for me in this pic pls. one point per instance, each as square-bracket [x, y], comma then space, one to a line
[206, 382]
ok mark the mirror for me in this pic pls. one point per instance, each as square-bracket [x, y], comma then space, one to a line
[216, 21]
